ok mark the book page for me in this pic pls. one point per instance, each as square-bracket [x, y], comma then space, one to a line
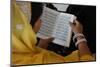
[62, 31]
[48, 19]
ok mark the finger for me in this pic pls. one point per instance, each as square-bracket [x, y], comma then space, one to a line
[50, 39]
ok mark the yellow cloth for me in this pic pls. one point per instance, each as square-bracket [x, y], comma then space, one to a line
[26, 8]
[24, 50]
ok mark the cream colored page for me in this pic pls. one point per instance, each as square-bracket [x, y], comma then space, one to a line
[48, 22]
[62, 31]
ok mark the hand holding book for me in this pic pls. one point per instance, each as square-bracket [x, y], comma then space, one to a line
[76, 27]
[56, 24]
[43, 43]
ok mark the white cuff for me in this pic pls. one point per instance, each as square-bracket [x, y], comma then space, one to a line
[77, 35]
[79, 41]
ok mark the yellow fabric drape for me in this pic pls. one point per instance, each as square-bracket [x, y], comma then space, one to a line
[24, 50]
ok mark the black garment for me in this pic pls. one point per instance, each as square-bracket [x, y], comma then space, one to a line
[51, 6]
[87, 16]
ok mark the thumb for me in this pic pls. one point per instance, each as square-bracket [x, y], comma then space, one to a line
[71, 24]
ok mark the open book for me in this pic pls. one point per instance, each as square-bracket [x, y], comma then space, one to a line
[56, 24]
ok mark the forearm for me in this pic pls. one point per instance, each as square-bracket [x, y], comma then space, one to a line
[83, 48]
[81, 41]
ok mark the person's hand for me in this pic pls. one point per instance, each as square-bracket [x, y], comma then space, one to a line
[76, 27]
[43, 43]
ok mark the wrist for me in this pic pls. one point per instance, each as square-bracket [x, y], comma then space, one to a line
[78, 32]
